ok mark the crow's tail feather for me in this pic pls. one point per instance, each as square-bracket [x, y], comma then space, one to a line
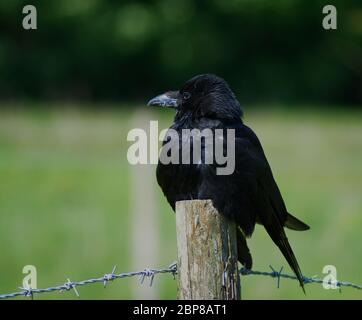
[280, 239]
[295, 224]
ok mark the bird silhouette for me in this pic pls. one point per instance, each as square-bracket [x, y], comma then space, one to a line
[249, 194]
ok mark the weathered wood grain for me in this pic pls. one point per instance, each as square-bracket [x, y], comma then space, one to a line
[207, 253]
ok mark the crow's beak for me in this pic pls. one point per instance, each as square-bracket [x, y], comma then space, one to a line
[168, 99]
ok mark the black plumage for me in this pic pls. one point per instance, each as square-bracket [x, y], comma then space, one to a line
[250, 194]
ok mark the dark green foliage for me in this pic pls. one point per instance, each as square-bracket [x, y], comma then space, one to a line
[127, 50]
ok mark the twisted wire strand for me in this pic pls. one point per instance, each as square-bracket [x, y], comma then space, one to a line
[306, 280]
[171, 269]
[147, 272]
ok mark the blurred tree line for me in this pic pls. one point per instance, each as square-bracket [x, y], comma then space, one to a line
[269, 51]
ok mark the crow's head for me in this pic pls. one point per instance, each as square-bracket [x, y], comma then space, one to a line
[204, 95]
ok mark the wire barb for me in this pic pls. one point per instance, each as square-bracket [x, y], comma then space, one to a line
[27, 292]
[71, 285]
[109, 276]
[277, 275]
[173, 268]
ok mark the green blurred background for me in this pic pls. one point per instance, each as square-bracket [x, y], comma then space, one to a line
[72, 205]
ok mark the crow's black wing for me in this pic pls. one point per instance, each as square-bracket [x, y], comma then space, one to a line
[286, 218]
[250, 194]
[271, 209]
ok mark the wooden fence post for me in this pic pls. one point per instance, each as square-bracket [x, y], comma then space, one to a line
[207, 253]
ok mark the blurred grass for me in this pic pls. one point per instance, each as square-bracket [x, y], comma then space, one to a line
[64, 199]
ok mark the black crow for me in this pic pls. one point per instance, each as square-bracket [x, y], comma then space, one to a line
[250, 194]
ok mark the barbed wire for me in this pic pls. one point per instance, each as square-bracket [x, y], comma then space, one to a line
[306, 280]
[171, 269]
[69, 285]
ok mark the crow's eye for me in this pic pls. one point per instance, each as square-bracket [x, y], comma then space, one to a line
[186, 95]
